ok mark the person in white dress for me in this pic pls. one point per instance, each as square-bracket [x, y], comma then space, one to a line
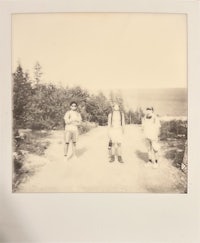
[116, 125]
[151, 129]
[72, 121]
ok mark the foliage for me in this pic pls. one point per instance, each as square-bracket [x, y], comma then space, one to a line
[23, 144]
[134, 117]
[21, 96]
[42, 106]
[173, 129]
[173, 135]
[98, 108]
[37, 105]
[86, 127]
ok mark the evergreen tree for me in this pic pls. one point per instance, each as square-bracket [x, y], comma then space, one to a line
[98, 107]
[21, 96]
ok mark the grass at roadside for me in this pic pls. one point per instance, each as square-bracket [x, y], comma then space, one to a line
[28, 143]
[173, 136]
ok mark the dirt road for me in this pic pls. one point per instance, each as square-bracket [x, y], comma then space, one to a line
[91, 171]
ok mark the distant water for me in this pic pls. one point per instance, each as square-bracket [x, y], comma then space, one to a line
[170, 102]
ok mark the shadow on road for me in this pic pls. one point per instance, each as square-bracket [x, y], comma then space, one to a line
[142, 155]
[81, 151]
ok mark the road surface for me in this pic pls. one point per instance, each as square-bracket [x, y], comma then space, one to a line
[91, 171]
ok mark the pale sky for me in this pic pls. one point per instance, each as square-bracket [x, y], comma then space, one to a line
[103, 50]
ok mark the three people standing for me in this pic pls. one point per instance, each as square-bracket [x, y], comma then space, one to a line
[116, 128]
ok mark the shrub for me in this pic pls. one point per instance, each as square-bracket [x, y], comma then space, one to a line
[134, 117]
[174, 135]
[174, 129]
[29, 142]
[86, 127]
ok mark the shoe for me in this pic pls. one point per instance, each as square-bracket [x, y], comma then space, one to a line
[74, 157]
[155, 165]
[112, 158]
[66, 157]
[120, 160]
[149, 163]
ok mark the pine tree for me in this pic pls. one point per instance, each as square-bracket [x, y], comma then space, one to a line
[21, 96]
[98, 107]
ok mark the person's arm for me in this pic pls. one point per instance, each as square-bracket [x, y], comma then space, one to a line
[109, 125]
[109, 120]
[123, 122]
[158, 124]
[79, 119]
[143, 123]
[67, 118]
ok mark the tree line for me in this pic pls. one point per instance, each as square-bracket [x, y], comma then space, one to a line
[38, 105]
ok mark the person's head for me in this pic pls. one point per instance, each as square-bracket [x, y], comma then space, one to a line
[149, 111]
[115, 107]
[73, 105]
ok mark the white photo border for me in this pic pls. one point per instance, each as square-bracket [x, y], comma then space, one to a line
[99, 217]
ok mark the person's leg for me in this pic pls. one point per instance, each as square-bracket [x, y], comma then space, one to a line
[155, 148]
[66, 142]
[149, 151]
[156, 156]
[119, 152]
[112, 152]
[110, 148]
[66, 148]
[74, 149]
[109, 152]
[118, 149]
[74, 142]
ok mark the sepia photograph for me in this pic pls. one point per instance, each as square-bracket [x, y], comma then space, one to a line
[99, 102]
[99, 121]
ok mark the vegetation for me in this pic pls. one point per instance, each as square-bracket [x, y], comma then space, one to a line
[37, 105]
[134, 117]
[23, 143]
[40, 106]
[173, 135]
[174, 129]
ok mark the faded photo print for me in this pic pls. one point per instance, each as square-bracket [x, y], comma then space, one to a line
[99, 102]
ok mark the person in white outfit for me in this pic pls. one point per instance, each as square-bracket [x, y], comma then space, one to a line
[151, 128]
[72, 121]
[116, 125]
